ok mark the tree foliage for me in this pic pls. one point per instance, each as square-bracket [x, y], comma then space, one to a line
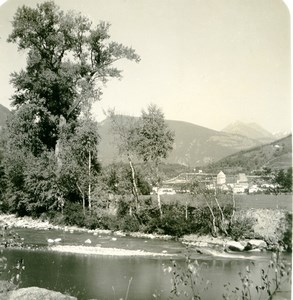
[154, 140]
[51, 147]
[284, 179]
[67, 61]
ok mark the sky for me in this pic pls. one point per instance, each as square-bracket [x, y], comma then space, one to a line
[208, 62]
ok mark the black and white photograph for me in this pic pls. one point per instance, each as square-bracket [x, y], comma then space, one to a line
[146, 149]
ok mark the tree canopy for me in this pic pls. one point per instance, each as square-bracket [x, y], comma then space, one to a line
[51, 137]
[68, 61]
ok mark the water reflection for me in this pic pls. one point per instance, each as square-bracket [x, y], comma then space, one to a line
[106, 277]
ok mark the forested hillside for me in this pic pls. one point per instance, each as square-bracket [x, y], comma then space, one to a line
[275, 155]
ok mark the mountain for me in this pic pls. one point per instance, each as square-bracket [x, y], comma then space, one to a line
[193, 146]
[250, 130]
[281, 134]
[275, 155]
[4, 113]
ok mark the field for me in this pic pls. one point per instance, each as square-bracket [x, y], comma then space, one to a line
[283, 201]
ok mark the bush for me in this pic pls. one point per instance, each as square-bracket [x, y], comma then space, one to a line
[242, 228]
[73, 215]
[287, 236]
[91, 221]
[56, 218]
[129, 224]
[200, 221]
[173, 221]
[109, 222]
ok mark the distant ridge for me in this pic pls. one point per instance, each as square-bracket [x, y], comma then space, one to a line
[275, 155]
[250, 130]
[4, 113]
[194, 145]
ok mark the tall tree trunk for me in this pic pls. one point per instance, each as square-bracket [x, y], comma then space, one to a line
[159, 202]
[214, 227]
[89, 186]
[158, 187]
[233, 209]
[62, 122]
[134, 186]
[83, 198]
[223, 219]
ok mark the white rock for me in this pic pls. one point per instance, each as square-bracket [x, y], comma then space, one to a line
[50, 241]
[57, 240]
[114, 239]
[257, 244]
[164, 251]
[234, 246]
[88, 241]
[95, 233]
[119, 233]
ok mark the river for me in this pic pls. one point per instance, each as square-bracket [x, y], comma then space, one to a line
[108, 277]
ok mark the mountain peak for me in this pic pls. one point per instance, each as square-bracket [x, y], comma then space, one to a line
[250, 130]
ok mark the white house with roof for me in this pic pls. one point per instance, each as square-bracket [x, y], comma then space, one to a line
[221, 178]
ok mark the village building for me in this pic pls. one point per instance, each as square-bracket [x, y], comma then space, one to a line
[241, 185]
[221, 178]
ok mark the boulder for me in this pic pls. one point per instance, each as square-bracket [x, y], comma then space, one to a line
[88, 241]
[234, 246]
[34, 293]
[256, 244]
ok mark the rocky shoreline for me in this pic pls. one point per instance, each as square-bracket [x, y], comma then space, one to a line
[203, 244]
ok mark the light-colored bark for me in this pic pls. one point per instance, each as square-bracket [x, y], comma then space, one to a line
[89, 183]
[223, 219]
[83, 197]
[134, 186]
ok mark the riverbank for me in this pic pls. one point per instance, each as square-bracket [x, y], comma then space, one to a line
[267, 228]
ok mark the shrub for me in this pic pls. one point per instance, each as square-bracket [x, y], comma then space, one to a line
[73, 215]
[200, 221]
[242, 227]
[129, 224]
[56, 218]
[287, 236]
[91, 221]
[173, 221]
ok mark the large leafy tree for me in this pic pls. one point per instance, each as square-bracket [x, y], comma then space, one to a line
[153, 141]
[68, 60]
[80, 165]
[124, 129]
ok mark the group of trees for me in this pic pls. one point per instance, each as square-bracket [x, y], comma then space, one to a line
[49, 160]
[50, 157]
